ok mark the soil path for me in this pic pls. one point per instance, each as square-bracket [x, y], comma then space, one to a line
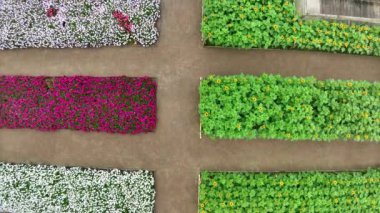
[174, 151]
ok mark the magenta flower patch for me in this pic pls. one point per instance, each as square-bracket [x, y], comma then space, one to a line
[104, 104]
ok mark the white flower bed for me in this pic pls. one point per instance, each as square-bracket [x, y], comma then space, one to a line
[26, 188]
[78, 23]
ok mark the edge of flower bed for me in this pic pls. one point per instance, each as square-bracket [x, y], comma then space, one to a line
[288, 171]
[76, 75]
[279, 49]
[199, 103]
[199, 190]
[108, 169]
[284, 140]
[132, 45]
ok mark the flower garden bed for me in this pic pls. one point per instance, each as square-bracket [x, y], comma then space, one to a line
[83, 23]
[291, 108]
[28, 188]
[276, 24]
[290, 192]
[104, 104]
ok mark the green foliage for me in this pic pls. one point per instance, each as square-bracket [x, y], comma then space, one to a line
[276, 24]
[291, 108]
[290, 192]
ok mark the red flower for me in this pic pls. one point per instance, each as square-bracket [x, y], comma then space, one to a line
[51, 12]
[123, 20]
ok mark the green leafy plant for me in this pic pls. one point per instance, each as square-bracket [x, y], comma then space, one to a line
[290, 192]
[276, 24]
[290, 108]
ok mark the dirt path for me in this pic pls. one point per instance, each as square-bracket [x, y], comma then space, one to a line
[175, 151]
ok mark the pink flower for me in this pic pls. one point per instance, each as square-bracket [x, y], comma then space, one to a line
[106, 104]
[123, 20]
[51, 12]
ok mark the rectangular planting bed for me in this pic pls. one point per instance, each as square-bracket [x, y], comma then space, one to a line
[30, 188]
[290, 192]
[290, 108]
[103, 104]
[77, 23]
[276, 24]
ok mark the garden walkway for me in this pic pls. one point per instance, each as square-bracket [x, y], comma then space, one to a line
[175, 152]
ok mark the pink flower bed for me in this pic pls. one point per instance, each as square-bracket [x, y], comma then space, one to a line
[104, 104]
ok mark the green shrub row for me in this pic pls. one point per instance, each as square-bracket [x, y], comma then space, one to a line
[276, 24]
[291, 108]
[290, 192]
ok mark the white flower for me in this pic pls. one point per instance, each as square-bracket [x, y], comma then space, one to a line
[26, 188]
[78, 23]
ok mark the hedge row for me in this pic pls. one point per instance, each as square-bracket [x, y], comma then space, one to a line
[77, 23]
[276, 24]
[291, 108]
[27, 188]
[104, 104]
[290, 192]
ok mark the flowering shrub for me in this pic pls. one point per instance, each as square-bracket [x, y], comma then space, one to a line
[77, 23]
[276, 24]
[106, 104]
[291, 108]
[27, 188]
[290, 192]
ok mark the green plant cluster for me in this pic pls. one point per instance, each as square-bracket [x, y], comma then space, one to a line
[289, 192]
[276, 24]
[290, 108]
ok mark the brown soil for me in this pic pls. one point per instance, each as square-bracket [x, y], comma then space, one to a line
[174, 151]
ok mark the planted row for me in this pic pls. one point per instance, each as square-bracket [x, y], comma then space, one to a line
[290, 192]
[276, 24]
[27, 188]
[290, 108]
[72, 23]
[104, 104]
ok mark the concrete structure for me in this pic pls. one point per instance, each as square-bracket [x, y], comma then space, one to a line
[362, 11]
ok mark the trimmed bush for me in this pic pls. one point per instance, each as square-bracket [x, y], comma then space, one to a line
[290, 192]
[291, 108]
[104, 104]
[77, 23]
[276, 24]
[27, 188]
